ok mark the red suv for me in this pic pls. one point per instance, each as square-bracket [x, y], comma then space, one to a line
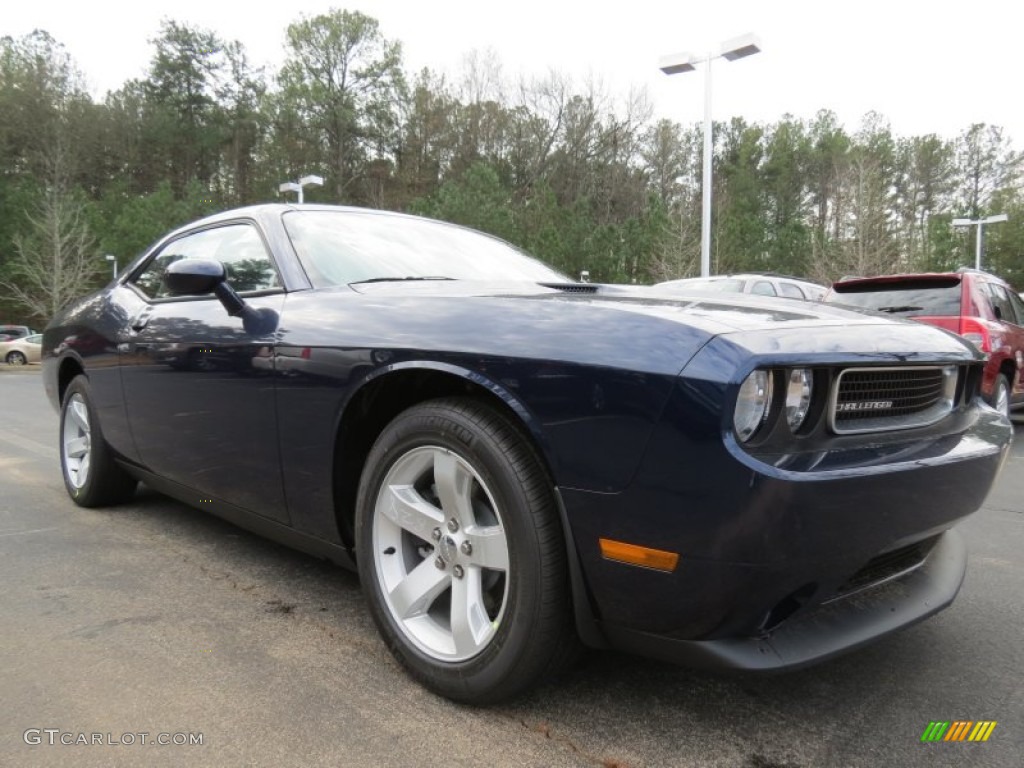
[978, 306]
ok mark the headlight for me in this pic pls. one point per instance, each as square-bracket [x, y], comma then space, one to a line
[798, 397]
[752, 404]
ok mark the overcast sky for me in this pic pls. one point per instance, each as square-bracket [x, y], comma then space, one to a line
[928, 67]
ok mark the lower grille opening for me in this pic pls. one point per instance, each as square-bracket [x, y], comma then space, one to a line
[888, 566]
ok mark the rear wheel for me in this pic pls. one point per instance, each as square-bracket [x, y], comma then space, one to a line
[91, 476]
[16, 358]
[461, 554]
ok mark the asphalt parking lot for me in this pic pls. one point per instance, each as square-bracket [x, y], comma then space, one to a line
[154, 618]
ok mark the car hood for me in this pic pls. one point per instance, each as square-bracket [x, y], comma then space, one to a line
[625, 327]
[715, 313]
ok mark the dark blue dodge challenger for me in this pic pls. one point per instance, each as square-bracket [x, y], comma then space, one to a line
[516, 462]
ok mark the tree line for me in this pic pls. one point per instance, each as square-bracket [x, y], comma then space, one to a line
[583, 178]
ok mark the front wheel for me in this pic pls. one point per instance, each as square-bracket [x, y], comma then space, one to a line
[461, 554]
[1001, 395]
[91, 476]
[16, 358]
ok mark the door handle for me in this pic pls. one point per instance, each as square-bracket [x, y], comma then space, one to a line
[140, 320]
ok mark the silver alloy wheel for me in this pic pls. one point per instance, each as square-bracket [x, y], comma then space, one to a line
[76, 442]
[16, 358]
[441, 554]
[1002, 403]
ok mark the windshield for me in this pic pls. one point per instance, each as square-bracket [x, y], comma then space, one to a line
[930, 299]
[344, 247]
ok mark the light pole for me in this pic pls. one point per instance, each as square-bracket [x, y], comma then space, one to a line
[113, 260]
[979, 223]
[305, 181]
[677, 63]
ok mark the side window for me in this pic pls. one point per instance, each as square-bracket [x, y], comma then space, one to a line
[1018, 307]
[791, 291]
[763, 288]
[237, 246]
[1001, 303]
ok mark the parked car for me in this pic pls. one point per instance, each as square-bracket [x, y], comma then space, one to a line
[760, 284]
[10, 332]
[974, 304]
[21, 351]
[516, 462]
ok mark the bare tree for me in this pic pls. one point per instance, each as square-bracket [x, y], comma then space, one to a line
[56, 261]
[986, 163]
[677, 250]
[482, 77]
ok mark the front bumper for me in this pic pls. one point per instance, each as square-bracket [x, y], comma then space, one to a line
[766, 556]
[829, 630]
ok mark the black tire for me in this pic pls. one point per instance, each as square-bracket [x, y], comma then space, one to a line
[1001, 395]
[515, 627]
[91, 476]
[16, 358]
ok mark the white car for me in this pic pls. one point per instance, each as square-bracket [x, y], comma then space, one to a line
[762, 285]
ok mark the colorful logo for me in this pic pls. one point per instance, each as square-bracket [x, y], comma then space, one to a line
[958, 730]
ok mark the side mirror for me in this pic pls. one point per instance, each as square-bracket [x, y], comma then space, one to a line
[194, 277]
[198, 277]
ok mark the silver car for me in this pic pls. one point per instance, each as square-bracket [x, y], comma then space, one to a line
[22, 351]
[760, 284]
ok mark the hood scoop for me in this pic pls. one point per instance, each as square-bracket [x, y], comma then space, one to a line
[572, 287]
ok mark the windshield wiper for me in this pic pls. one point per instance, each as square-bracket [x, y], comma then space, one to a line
[899, 309]
[398, 279]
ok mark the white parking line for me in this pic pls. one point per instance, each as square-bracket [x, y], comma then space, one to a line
[23, 533]
[27, 444]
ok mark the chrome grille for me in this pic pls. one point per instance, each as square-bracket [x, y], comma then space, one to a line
[880, 399]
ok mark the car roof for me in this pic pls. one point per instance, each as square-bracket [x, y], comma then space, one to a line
[901, 278]
[263, 210]
[748, 276]
[938, 277]
[708, 279]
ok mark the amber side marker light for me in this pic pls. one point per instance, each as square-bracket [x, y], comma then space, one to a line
[645, 557]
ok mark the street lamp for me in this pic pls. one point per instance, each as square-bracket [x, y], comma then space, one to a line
[979, 223]
[113, 260]
[677, 63]
[305, 181]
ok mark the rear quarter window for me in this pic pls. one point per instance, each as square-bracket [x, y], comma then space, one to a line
[1000, 299]
[791, 291]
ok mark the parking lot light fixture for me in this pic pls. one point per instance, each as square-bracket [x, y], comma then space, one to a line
[678, 63]
[979, 223]
[297, 187]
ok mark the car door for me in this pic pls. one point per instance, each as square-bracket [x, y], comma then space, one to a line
[1012, 309]
[198, 386]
